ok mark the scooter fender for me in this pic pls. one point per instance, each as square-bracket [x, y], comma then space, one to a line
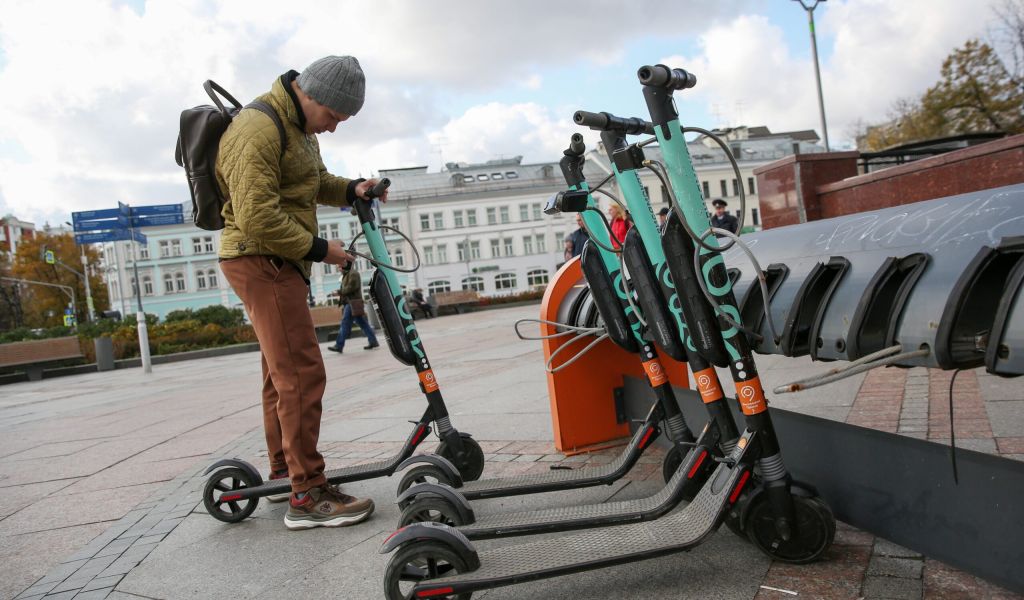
[440, 490]
[796, 487]
[450, 470]
[235, 462]
[435, 532]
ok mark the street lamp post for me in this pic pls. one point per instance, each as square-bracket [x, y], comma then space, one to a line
[817, 70]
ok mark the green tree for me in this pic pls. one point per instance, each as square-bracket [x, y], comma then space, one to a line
[976, 93]
[44, 306]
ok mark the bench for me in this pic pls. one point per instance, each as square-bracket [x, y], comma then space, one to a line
[456, 300]
[34, 355]
[326, 320]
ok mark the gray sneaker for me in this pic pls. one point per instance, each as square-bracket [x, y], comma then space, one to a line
[326, 506]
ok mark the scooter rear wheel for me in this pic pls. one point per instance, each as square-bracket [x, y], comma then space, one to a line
[421, 561]
[472, 465]
[670, 465]
[422, 474]
[221, 484]
[813, 532]
[430, 509]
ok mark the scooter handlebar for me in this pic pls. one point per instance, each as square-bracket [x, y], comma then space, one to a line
[662, 76]
[608, 122]
[576, 146]
[379, 189]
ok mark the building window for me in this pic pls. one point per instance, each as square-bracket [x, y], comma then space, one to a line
[495, 248]
[647, 193]
[353, 229]
[524, 212]
[471, 217]
[398, 257]
[323, 231]
[439, 286]
[200, 280]
[460, 248]
[438, 220]
[528, 244]
[505, 281]
[424, 222]
[559, 239]
[208, 244]
[442, 253]
[168, 284]
[474, 250]
[428, 255]
[390, 222]
[165, 248]
[147, 285]
[664, 195]
[750, 185]
[492, 216]
[539, 243]
[179, 281]
[143, 252]
[328, 269]
[725, 191]
[755, 216]
[468, 178]
[537, 211]
[537, 277]
[335, 232]
[457, 216]
[497, 176]
[735, 187]
[211, 279]
[511, 175]
[504, 214]
[474, 283]
[482, 177]
[197, 245]
[707, 189]
[509, 250]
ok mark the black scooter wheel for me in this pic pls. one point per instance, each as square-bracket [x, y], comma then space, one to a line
[670, 465]
[221, 484]
[421, 561]
[430, 509]
[472, 465]
[813, 533]
[422, 474]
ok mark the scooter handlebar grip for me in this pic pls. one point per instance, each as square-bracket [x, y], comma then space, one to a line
[379, 189]
[662, 76]
[589, 119]
[576, 146]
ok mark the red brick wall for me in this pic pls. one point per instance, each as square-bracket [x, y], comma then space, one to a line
[827, 184]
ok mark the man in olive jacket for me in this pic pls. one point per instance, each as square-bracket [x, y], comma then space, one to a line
[267, 246]
[354, 309]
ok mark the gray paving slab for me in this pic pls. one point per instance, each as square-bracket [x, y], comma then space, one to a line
[1007, 417]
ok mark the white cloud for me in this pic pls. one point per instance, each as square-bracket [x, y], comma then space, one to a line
[882, 51]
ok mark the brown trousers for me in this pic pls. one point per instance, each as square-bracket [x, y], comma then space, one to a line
[294, 379]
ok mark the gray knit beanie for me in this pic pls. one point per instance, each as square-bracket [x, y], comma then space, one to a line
[337, 82]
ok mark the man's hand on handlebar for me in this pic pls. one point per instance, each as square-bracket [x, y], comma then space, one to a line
[336, 254]
[365, 186]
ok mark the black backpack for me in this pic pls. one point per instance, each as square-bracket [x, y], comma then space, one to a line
[198, 140]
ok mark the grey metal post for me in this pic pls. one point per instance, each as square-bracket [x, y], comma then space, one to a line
[90, 307]
[817, 70]
[140, 316]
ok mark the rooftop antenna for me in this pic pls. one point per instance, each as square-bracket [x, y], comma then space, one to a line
[438, 146]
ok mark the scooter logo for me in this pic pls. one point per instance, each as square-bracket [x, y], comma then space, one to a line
[655, 372]
[429, 381]
[707, 385]
[751, 396]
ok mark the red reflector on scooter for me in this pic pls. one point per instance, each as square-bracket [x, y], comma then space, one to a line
[230, 498]
[397, 531]
[419, 434]
[696, 465]
[739, 487]
[432, 593]
[647, 436]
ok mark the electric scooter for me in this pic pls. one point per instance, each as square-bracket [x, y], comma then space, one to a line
[438, 561]
[234, 487]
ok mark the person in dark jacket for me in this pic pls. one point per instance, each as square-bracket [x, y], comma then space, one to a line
[722, 219]
[354, 310]
[418, 301]
[574, 243]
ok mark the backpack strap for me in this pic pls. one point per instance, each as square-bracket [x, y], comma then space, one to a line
[268, 110]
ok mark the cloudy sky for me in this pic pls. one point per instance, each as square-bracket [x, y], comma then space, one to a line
[90, 90]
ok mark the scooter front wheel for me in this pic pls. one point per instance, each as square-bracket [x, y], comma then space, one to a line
[430, 509]
[219, 492]
[471, 467]
[813, 533]
[421, 561]
[422, 474]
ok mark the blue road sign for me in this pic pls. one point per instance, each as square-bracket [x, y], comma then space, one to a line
[99, 237]
[97, 225]
[139, 236]
[105, 213]
[157, 209]
[154, 220]
[124, 209]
